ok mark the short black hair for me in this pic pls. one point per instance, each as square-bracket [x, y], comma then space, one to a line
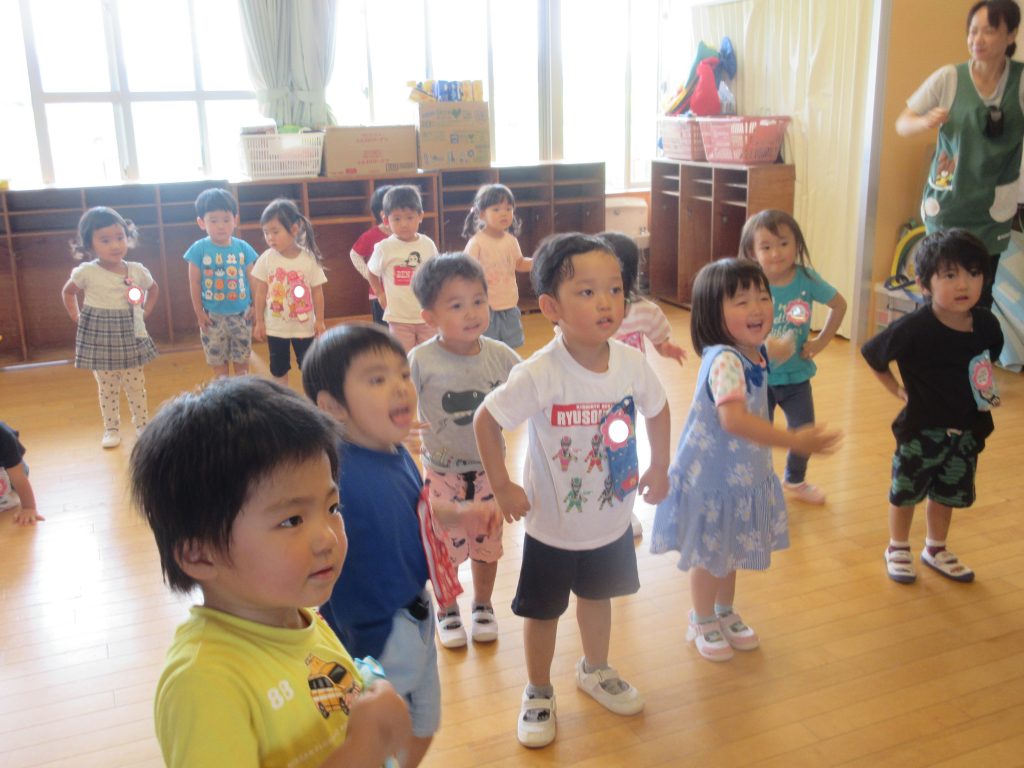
[715, 283]
[625, 248]
[948, 247]
[431, 276]
[199, 460]
[215, 199]
[552, 261]
[100, 217]
[377, 203]
[326, 364]
[404, 196]
[999, 12]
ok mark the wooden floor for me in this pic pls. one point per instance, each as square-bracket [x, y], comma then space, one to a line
[854, 669]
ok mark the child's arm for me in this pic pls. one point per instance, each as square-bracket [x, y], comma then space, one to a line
[655, 479]
[195, 292]
[378, 288]
[26, 514]
[152, 294]
[320, 325]
[837, 310]
[890, 383]
[69, 295]
[674, 351]
[511, 498]
[259, 303]
[523, 264]
[250, 312]
[360, 264]
[378, 728]
[737, 420]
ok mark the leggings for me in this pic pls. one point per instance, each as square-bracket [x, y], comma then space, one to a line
[134, 382]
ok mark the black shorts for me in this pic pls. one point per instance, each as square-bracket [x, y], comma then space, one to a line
[936, 463]
[549, 573]
[281, 356]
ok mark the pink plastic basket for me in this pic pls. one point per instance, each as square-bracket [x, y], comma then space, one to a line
[742, 140]
[680, 138]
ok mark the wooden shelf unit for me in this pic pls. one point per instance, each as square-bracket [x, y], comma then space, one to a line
[697, 214]
[37, 225]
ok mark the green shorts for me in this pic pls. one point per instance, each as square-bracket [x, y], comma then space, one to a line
[938, 464]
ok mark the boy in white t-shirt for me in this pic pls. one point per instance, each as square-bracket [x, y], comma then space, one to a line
[580, 394]
[394, 263]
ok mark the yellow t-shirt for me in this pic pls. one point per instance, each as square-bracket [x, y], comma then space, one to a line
[234, 692]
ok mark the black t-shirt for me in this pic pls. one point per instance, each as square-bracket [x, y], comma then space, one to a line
[11, 450]
[934, 361]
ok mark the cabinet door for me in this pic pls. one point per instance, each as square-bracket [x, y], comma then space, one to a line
[694, 244]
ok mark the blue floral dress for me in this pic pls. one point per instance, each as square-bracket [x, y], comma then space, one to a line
[725, 509]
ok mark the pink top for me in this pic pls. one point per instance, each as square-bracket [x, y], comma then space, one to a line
[498, 256]
[644, 318]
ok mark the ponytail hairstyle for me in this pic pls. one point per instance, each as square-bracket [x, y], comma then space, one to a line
[288, 214]
[486, 196]
[97, 218]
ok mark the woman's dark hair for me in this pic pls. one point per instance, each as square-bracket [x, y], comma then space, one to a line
[999, 12]
[431, 276]
[326, 364]
[552, 261]
[716, 282]
[486, 196]
[98, 218]
[948, 247]
[624, 247]
[287, 214]
[205, 453]
[377, 203]
[772, 220]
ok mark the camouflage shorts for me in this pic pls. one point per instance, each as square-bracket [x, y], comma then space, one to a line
[936, 463]
[228, 339]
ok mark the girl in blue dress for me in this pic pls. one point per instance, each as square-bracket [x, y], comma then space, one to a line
[725, 509]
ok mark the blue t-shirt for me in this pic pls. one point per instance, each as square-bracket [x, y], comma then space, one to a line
[386, 566]
[223, 274]
[793, 304]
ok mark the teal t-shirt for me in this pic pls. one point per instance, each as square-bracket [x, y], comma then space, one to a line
[793, 304]
[223, 274]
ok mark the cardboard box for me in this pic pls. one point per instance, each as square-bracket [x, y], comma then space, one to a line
[454, 134]
[891, 305]
[369, 150]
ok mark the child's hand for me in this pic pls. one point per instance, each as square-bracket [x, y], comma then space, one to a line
[382, 300]
[668, 349]
[479, 518]
[379, 718]
[780, 348]
[653, 485]
[413, 441]
[250, 313]
[203, 320]
[512, 502]
[319, 327]
[25, 516]
[815, 439]
[259, 330]
[812, 347]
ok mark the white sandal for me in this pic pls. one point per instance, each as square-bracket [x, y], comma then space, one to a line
[946, 563]
[899, 564]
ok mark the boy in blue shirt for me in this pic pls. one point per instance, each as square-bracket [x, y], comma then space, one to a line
[218, 282]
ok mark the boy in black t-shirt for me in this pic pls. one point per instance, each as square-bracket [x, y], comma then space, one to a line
[944, 353]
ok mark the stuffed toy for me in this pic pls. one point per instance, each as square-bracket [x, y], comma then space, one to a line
[705, 101]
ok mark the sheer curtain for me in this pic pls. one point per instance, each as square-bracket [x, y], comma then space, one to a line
[290, 51]
[809, 60]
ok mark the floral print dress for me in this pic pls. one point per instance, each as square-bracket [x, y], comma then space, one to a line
[725, 509]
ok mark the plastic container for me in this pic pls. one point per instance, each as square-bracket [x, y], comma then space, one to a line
[742, 140]
[681, 138]
[282, 154]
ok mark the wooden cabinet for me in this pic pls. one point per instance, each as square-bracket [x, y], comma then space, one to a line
[697, 214]
[36, 227]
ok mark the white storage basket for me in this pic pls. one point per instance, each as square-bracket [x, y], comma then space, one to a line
[270, 156]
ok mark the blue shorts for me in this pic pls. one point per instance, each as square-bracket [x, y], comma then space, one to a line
[507, 326]
[409, 660]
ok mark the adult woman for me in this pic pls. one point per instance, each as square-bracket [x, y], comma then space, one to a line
[978, 107]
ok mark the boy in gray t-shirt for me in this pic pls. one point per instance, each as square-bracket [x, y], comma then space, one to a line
[452, 373]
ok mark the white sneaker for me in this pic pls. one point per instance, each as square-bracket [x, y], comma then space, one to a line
[111, 439]
[450, 632]
[484, 628]
[636, 525]
[805, 492]
[536, 726]
[709, 639]
[609, 690]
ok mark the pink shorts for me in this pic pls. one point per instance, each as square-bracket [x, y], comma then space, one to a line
[411, 334]
[466, 486]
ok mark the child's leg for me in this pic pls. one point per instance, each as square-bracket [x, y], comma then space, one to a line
[415, 749]
[798, 405]
[595, 620]
[110, 398]
[703, 591]
[900, 520]
[484, 575]
[134, 381]
[280, 358]
[703, 628]
[405, 333]
[737, 633]
[539, 645]
[301, 348]
[935, 555]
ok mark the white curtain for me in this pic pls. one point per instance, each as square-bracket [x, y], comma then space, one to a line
[807, 59]
[290, 50]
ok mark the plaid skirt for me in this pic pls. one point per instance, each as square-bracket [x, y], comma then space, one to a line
[106, 341]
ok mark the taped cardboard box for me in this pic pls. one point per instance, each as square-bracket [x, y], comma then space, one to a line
[369, 150]
[454, 134]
